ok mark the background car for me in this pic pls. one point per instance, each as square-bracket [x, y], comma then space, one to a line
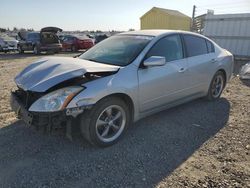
[12, 43]
[45, 40]
[3, 45]
[8, 43]
[100, 37]
[75, 43]
[61, 37]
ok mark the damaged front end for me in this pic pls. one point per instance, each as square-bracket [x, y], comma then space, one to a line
[47, 121]
[42, 97]
[39, 110]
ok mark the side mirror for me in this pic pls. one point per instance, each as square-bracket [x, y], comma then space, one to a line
[155, 61]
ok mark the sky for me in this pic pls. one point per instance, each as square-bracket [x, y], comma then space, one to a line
[103, 15]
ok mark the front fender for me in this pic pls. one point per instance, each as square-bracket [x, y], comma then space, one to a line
[125, 81]
[105, 86]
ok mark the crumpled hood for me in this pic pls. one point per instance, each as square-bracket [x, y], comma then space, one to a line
[48, 72]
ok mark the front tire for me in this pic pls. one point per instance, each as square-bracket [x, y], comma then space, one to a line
[106, 122]
[216, 86]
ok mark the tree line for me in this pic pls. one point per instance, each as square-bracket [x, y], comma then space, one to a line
[15, 29]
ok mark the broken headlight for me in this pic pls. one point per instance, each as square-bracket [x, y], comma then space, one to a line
[56, 100]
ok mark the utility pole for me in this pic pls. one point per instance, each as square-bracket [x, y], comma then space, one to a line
[193, 16]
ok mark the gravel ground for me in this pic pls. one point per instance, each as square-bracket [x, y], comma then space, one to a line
[198, 144]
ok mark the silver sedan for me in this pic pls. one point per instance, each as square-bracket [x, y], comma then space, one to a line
[119, 81]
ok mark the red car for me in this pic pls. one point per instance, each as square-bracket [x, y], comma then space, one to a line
[75, 43]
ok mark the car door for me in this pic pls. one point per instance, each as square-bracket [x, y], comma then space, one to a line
[201, 62]
[67, 42]
[29, 41]
[159, 85]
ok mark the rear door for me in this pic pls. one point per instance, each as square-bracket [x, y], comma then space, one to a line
[201, 62]
[159, 85]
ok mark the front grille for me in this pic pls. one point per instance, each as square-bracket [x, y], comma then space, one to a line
[27, 97]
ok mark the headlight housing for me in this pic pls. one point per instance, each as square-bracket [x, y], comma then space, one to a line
[56, 100]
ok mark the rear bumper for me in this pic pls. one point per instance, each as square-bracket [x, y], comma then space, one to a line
[57, 47]
[85, 45]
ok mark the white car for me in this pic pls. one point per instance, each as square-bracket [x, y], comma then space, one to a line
[8, 44]
[3, 45]
[12, 43]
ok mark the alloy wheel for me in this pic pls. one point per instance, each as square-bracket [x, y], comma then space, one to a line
[110, 123]
[217, 86]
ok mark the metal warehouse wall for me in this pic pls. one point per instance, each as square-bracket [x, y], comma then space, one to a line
[230, 31]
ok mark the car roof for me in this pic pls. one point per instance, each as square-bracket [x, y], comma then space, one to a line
[157, 32]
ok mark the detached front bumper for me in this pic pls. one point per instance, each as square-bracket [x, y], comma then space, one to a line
[46, 121]
[41, 120]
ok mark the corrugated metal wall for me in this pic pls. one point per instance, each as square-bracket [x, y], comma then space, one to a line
[230, 31]
[158, 20]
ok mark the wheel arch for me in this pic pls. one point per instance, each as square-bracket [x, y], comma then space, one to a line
[126, 98]
[224, 74]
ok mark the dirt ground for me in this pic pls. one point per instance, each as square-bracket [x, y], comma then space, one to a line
[198, 144]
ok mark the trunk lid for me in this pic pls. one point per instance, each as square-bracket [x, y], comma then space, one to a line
[51, 29]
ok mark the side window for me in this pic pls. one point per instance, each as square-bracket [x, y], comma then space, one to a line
[195, 45]
[210, 47]
[65, 39]
[29, 36]
[169, 47]
[69, 39]
[33, 36]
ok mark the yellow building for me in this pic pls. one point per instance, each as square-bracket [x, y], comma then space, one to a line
[159, 18]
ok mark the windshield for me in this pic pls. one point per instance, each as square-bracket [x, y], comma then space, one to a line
[117, 50]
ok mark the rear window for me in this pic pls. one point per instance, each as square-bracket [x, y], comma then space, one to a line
[82, 37]
[210, 47]
[33, 36]
[195, 45]
[68, 39]
[49, 38]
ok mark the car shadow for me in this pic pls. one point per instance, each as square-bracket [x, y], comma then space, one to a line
[149, 151]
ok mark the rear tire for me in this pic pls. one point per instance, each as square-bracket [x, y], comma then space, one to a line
[216, 86]
[106, 122]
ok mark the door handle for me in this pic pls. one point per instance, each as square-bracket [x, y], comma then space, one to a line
[181, 70]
